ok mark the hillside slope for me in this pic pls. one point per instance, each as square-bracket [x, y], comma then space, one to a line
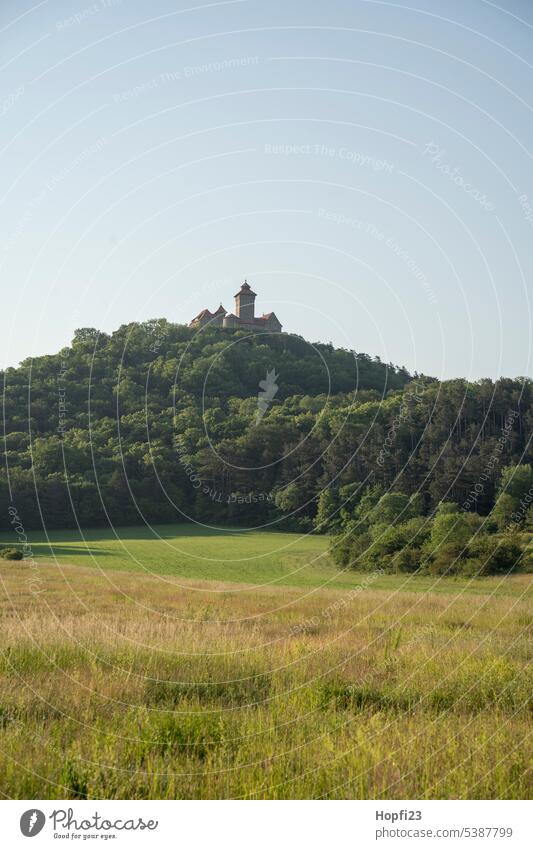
[160, 423]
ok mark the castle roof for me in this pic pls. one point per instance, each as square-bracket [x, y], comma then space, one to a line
[203, 314]
[245, 290]
[219, 310]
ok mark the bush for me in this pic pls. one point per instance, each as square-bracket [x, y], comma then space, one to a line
[349, 547]
[527, 560]
[408, 559]
[451, 542]
[389, 539]
[448, 559]
[496, 555]
[394, 547]
[11, 553]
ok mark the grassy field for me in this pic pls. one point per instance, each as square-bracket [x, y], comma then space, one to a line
[146, 668]
[252, 558]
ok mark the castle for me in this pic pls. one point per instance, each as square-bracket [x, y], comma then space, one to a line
[244, 317]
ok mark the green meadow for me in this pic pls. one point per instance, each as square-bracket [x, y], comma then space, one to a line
[258, 558]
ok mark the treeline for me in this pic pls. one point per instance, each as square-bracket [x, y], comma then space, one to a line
[159, 423]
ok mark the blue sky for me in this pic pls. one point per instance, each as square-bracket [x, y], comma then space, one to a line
[366, 165]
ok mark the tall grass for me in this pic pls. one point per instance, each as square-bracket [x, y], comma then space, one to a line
[127, 686]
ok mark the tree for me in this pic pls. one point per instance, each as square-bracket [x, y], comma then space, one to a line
[516, 481]
[504, 510]
[327, 517]
[515, 494]
[396, 506]
[450, 528]
[288, 499]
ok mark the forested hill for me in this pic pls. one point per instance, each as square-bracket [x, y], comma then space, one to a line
[158, 422]
[211, 362]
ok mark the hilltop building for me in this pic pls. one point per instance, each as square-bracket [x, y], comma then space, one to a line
[243, 318]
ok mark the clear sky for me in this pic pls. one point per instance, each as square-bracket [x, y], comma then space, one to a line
[366, 165]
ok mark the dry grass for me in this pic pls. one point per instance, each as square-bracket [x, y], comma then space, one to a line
[131, 686]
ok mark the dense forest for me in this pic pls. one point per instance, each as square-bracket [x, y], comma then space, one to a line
[161, 423]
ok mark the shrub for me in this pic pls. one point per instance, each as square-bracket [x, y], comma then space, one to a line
[349, 548]
[448, 559]
[527, 560]
[409, 559]
[496, 555]
[389, 539]
[451, 542]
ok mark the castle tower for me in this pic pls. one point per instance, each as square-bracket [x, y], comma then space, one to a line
[245, 303]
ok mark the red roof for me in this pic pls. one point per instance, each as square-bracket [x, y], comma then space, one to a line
[202, 314]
